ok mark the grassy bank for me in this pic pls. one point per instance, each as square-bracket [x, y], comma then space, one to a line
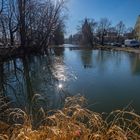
[73, 122]
[125, 49]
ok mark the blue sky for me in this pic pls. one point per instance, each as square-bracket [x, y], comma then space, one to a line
[115, 10]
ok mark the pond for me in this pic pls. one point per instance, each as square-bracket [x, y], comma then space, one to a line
[109, 80]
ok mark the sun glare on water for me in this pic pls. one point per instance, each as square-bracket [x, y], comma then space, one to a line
[60, 86]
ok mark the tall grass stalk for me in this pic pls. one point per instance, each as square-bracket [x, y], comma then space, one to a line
[73, 122]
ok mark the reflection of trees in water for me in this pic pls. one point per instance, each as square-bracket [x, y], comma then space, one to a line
[135, 64]
[86, 58]
[9, 78]
[116, 58]
[33, 82]
[104, 58]
[28, 86]
[59, 51]
[46, 75]
[1, 77]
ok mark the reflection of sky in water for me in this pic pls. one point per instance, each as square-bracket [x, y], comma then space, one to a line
[109, 78]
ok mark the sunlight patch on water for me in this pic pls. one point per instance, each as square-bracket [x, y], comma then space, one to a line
[62, 72]
[60, 86]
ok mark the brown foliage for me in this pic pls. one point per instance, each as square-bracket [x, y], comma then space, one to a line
[73, 122]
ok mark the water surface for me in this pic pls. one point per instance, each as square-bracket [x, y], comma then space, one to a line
[108, 79]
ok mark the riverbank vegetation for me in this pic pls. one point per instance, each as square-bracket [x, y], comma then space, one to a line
[73, 122]
[28, 26]
[27, 23]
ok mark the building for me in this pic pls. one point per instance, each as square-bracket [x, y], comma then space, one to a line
[137, 29]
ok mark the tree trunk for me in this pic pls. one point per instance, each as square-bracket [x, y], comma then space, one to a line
[102, 40]
[4, 32]
[22, 4]
[118, 38]
[1, 6]
[29, 89]
[11, 38]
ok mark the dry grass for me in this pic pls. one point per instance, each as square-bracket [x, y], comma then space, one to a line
[73, 122]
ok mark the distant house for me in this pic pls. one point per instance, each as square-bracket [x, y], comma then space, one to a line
[111, 37]
[137, 28]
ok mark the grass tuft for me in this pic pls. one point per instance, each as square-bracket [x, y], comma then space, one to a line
[73, 122]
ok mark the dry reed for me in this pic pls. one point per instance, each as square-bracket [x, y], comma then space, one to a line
[73, 122]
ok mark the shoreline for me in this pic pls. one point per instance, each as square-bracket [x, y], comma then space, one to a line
[107, 48]
[8, 53]
[125, 49]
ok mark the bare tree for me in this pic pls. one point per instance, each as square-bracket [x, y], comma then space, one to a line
[120, 29]
[1, 6]
[35, 22]
[87, 31]
[130, 33]
[3, 27]
[22, 15]
[58, 36]
[3, 21]
[111, 35]
[12, 20]
[42, 20]
[103, 27]
[51, 17]
[137, 29]
[8, 21]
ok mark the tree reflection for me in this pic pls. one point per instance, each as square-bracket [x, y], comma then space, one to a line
[59, 51]
[35, 83]
[136, 65]
[28, 85]
[1, 77]
[86, 58]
